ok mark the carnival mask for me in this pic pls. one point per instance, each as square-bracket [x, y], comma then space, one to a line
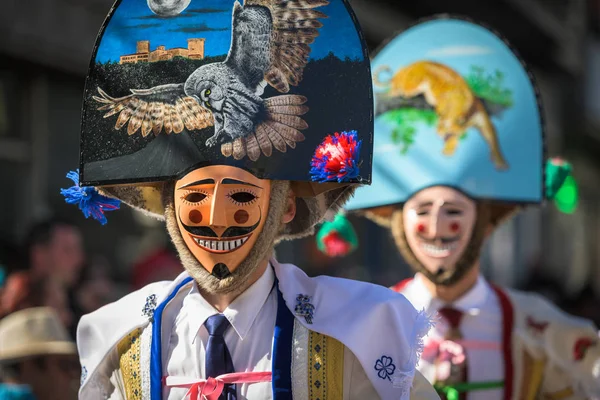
[220, 211]
[438, 227]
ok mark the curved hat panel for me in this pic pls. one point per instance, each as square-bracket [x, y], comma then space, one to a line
[262, 85]
[454, 106]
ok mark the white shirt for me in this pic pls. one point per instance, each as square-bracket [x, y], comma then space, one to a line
[250, 339]
[482, 321]
[252, 317]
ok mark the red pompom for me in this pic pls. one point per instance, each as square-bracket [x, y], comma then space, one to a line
[335, 245]
[336, 158]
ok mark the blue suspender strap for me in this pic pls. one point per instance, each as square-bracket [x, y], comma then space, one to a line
[156, 347]
[282, 350]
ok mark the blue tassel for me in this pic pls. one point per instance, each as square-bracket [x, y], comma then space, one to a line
[91, 203]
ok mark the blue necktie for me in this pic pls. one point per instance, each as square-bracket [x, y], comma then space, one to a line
[218, 360]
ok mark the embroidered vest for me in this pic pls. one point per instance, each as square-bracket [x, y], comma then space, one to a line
[321, 371]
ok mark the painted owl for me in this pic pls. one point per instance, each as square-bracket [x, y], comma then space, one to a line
[270, 45]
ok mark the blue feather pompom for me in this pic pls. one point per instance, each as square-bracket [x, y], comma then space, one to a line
[91, 203]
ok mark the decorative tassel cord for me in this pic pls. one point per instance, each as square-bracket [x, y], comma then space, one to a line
[211, 388]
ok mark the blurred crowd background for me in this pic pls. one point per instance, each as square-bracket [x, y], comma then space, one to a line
[50, 255]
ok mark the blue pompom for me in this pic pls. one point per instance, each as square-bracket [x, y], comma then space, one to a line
[91, 203]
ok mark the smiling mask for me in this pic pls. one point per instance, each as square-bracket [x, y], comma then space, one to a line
[220, 212]
[440, 231]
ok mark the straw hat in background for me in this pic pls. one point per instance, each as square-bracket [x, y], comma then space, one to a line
[33, 332]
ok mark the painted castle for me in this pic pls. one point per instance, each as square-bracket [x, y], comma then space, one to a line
[194, 51]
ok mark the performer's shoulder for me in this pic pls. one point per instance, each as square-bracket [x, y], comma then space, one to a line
[125, 309]
[533, 306]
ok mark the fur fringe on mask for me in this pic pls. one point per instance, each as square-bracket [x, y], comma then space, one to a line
[310, 211]
[467, 259]
[262, 249]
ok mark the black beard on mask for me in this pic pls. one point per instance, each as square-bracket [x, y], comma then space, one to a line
[222, 280]
[444, 276]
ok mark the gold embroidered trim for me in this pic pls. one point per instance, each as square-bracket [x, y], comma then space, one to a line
[533, 371]
[325, 367]
[129, 361]
[561, 394]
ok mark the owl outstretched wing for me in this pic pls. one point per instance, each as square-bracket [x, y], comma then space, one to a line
[271, 40]
[165, 107]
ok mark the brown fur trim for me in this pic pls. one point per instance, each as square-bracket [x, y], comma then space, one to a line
[464, 264]
[143, 198]
[235, 283]
[311, 210]
[500, 212]
[382, 216]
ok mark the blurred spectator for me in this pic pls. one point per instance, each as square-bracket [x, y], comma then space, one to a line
[54, 247]
[157, 266]
[38, 360]
[96, 287]
[54, 250]
[21, 290]
[10, 259]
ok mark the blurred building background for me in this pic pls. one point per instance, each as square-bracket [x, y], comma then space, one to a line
[45, 48]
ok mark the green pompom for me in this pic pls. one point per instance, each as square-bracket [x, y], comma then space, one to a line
[337, 238]
[568, 196]
[557, 171]
[561, 185]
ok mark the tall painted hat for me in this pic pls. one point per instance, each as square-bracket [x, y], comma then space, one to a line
[454, 106]
[264, 86]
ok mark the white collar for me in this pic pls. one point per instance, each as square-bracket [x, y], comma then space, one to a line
[471, 302]
[241, 313]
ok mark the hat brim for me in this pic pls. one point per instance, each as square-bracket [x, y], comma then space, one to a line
[37, 349]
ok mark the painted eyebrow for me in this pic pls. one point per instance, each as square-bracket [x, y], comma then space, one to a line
[236, 182]
[197, 183]
[446, 203]
[455, 204]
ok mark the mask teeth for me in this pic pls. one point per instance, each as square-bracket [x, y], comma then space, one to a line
[221, 245]
[438, 250]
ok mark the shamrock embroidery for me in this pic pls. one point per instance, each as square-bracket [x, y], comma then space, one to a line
[304, 308]
[150, 306]
[385, 367]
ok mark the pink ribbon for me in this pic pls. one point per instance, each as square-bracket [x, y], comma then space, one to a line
[433, 346]
[211, 388]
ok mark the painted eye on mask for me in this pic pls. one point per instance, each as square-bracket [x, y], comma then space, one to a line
[243, 198]
[194, 198]
[454, 212]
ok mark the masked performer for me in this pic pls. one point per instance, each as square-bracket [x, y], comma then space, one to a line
[246, 137]
[458, 150]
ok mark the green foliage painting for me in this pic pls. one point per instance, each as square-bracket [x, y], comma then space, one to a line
[489, 87]
[404, 120]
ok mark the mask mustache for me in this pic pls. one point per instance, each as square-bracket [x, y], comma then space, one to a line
[234, 231]
[444, 240]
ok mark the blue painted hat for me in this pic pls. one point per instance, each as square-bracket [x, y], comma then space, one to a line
[454, 106]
